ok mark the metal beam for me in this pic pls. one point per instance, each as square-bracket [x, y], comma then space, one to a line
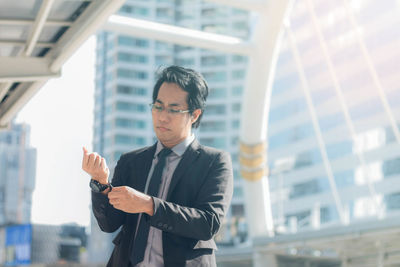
[22, 94]
[87, 24]
[42, 69]
[177, 35]
[4, 89]
[38, 26]
[22, 43]
[18, 69]
[28, 22]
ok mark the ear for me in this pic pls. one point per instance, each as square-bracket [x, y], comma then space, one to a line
[195, 115]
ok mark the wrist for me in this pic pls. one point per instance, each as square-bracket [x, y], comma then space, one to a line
[150, 206]
[101, 180]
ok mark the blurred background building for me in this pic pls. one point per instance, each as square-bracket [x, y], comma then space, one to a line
[42, 245]
[353, 117]
[125, 76]
[17, 174]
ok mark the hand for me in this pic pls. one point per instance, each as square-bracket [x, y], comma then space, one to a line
[130, 200]
[95, 166]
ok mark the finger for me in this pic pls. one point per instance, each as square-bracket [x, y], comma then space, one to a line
[92, 158]
[113, 201]
[117, 189]
[112, 195]
[97, 160]
[85, 159]
[103, 164]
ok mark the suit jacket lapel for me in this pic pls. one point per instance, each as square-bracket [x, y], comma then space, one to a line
[143, 166]
[188, 157]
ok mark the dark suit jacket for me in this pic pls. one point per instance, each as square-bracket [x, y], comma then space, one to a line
[199, 195]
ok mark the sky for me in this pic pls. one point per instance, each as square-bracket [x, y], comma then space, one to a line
[61, 120]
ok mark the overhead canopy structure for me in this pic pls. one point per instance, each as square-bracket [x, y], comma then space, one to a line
[36, 39]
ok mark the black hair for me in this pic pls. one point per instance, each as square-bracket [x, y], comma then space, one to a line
[190, 81]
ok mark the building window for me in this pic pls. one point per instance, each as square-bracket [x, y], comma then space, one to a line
[127, 106]
[307, 158]
[392, 201]
[184, 61]
[215, 109]
[237, 210]
[213, 126]
[217, 142]
[213, 60]
[339, 150]
[328, 214]
[131, 90]
[132, 74]
[217, 93]
[130, 41]
[238, 192]
[215, 76]
[163, 60]
[239, 58]
[237, 90]
[235, 124]
[238, 74]
[130, 123]
[134, 10]
[391, 167]
[132, 58]
[164, 12]
[128, 140]
[311, 187]
[236, 107]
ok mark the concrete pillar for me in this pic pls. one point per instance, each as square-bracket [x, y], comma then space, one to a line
[254, 120]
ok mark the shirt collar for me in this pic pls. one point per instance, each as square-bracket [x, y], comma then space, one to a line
[178, 149]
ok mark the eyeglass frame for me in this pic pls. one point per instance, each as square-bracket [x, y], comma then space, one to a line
[160, 108]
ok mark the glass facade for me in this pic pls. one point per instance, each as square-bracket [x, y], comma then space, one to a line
[300, 188]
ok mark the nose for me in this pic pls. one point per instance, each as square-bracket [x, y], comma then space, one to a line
[163, 115]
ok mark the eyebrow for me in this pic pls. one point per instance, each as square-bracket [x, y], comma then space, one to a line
[170, 105]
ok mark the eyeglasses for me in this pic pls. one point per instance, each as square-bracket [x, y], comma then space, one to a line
[159, 108]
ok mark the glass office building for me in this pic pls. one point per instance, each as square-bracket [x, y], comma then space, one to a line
[125, 76]
[17, 174]
[347, 55]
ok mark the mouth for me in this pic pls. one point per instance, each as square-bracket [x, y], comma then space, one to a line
[162, 129]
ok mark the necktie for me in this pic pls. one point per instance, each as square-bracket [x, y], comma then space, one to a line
[139, 244]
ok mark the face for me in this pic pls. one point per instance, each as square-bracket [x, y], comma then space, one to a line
[171, 129]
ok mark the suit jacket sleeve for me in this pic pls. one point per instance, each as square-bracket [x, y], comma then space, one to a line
[109, 218]
[202, 220]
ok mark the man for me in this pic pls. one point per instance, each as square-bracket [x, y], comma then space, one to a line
[169, 198]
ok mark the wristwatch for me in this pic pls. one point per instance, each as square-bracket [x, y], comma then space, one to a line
[98, 187]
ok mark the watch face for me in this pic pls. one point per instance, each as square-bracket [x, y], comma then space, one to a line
[96, 186]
